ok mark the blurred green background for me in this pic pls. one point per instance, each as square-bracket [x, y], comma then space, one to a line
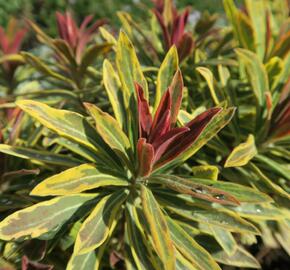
[43, 11]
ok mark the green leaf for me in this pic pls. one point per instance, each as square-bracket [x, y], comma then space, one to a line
[241, 258]
[41, 218]
[129, 68]
[42, 156]
[196, 190]
[141, 254]
[112, 86]
[259, 211]
[43, 68]
[191, 250]
[256, 73]
[91, 54]
[130, 72]
[76, 148]
[158, 228]
[182, 263]
[68, 124]
[106, 35]
[210, 216]
[208, 76]
[241, 24]
[205, 171]
[260, 176]
[97, 227]
[110, 131]
[225, 239]
[257, 13]
[82, 262]
[242, 153]
[76, 180]
[165, 74]
[241, 192]
[274, 166]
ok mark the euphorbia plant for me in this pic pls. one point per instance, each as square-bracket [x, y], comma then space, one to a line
[10, 45]
[127, 188]
[173, 27]
[75, 50]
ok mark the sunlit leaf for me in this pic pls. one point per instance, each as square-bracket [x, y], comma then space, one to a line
[43, 217]
[76, 180]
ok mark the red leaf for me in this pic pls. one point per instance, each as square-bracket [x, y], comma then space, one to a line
[61, 25]
[162, 144]
[31, 265]
[196, 127]
[185, 46]
[85, 22]
[178, 27]
[145, 157]
[166, 34]
[161, 128]
[72, 30]
[145, 118]
[164, 105]
[18, 38]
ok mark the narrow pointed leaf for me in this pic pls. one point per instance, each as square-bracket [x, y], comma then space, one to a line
[196, 190]
[136, 237]
[225, 239]
[145, 157]
[91, 54]
[208, 76]
[144, 115]
[162, 144]
[97, 227]
[110, 131]
[82, 262]
[68, 124]
[41, 156]
[256, 74]
[112, 85]
[158, 228]
[189, 248]
[213, 122]
[41, 218]
[182, 263]
[76, 180]
[240, 192]
[176, 89]
[242, 153]
[43, 68]
[222, 218]
[165, 74]
[129, 68]
[241, 258]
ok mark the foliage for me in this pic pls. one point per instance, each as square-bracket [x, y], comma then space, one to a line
[169, 154]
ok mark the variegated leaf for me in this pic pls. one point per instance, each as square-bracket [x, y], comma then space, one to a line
[76, 180]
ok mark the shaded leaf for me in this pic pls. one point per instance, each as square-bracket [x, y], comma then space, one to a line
[191, 250]
[42, 156]
[194, 189]
[98, 225]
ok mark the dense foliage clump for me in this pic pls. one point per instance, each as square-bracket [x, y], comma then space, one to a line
[163, 145]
